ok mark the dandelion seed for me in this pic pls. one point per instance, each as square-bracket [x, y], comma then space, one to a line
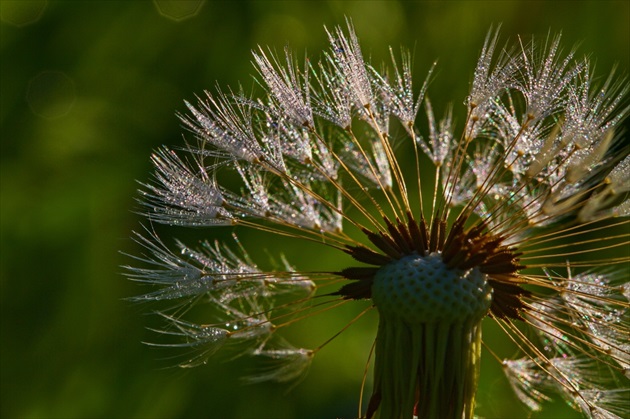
[521, 221]
[527, 381]
[288, 88]
[347, 62]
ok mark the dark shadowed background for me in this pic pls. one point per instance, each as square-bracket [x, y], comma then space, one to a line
[90, 88]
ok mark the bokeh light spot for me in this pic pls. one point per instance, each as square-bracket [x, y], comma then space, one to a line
[178, 10]
[21, 12]
[51, 94]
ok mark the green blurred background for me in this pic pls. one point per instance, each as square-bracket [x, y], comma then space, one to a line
[90, 88]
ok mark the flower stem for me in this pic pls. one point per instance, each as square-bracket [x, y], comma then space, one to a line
[427, 370]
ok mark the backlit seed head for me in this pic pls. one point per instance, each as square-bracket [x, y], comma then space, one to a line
[520, 228]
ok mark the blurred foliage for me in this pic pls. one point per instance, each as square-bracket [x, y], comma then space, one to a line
[89, 88]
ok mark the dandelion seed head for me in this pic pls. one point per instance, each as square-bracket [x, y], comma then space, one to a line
[509, 219]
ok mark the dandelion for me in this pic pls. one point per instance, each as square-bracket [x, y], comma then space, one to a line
[522, 221]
